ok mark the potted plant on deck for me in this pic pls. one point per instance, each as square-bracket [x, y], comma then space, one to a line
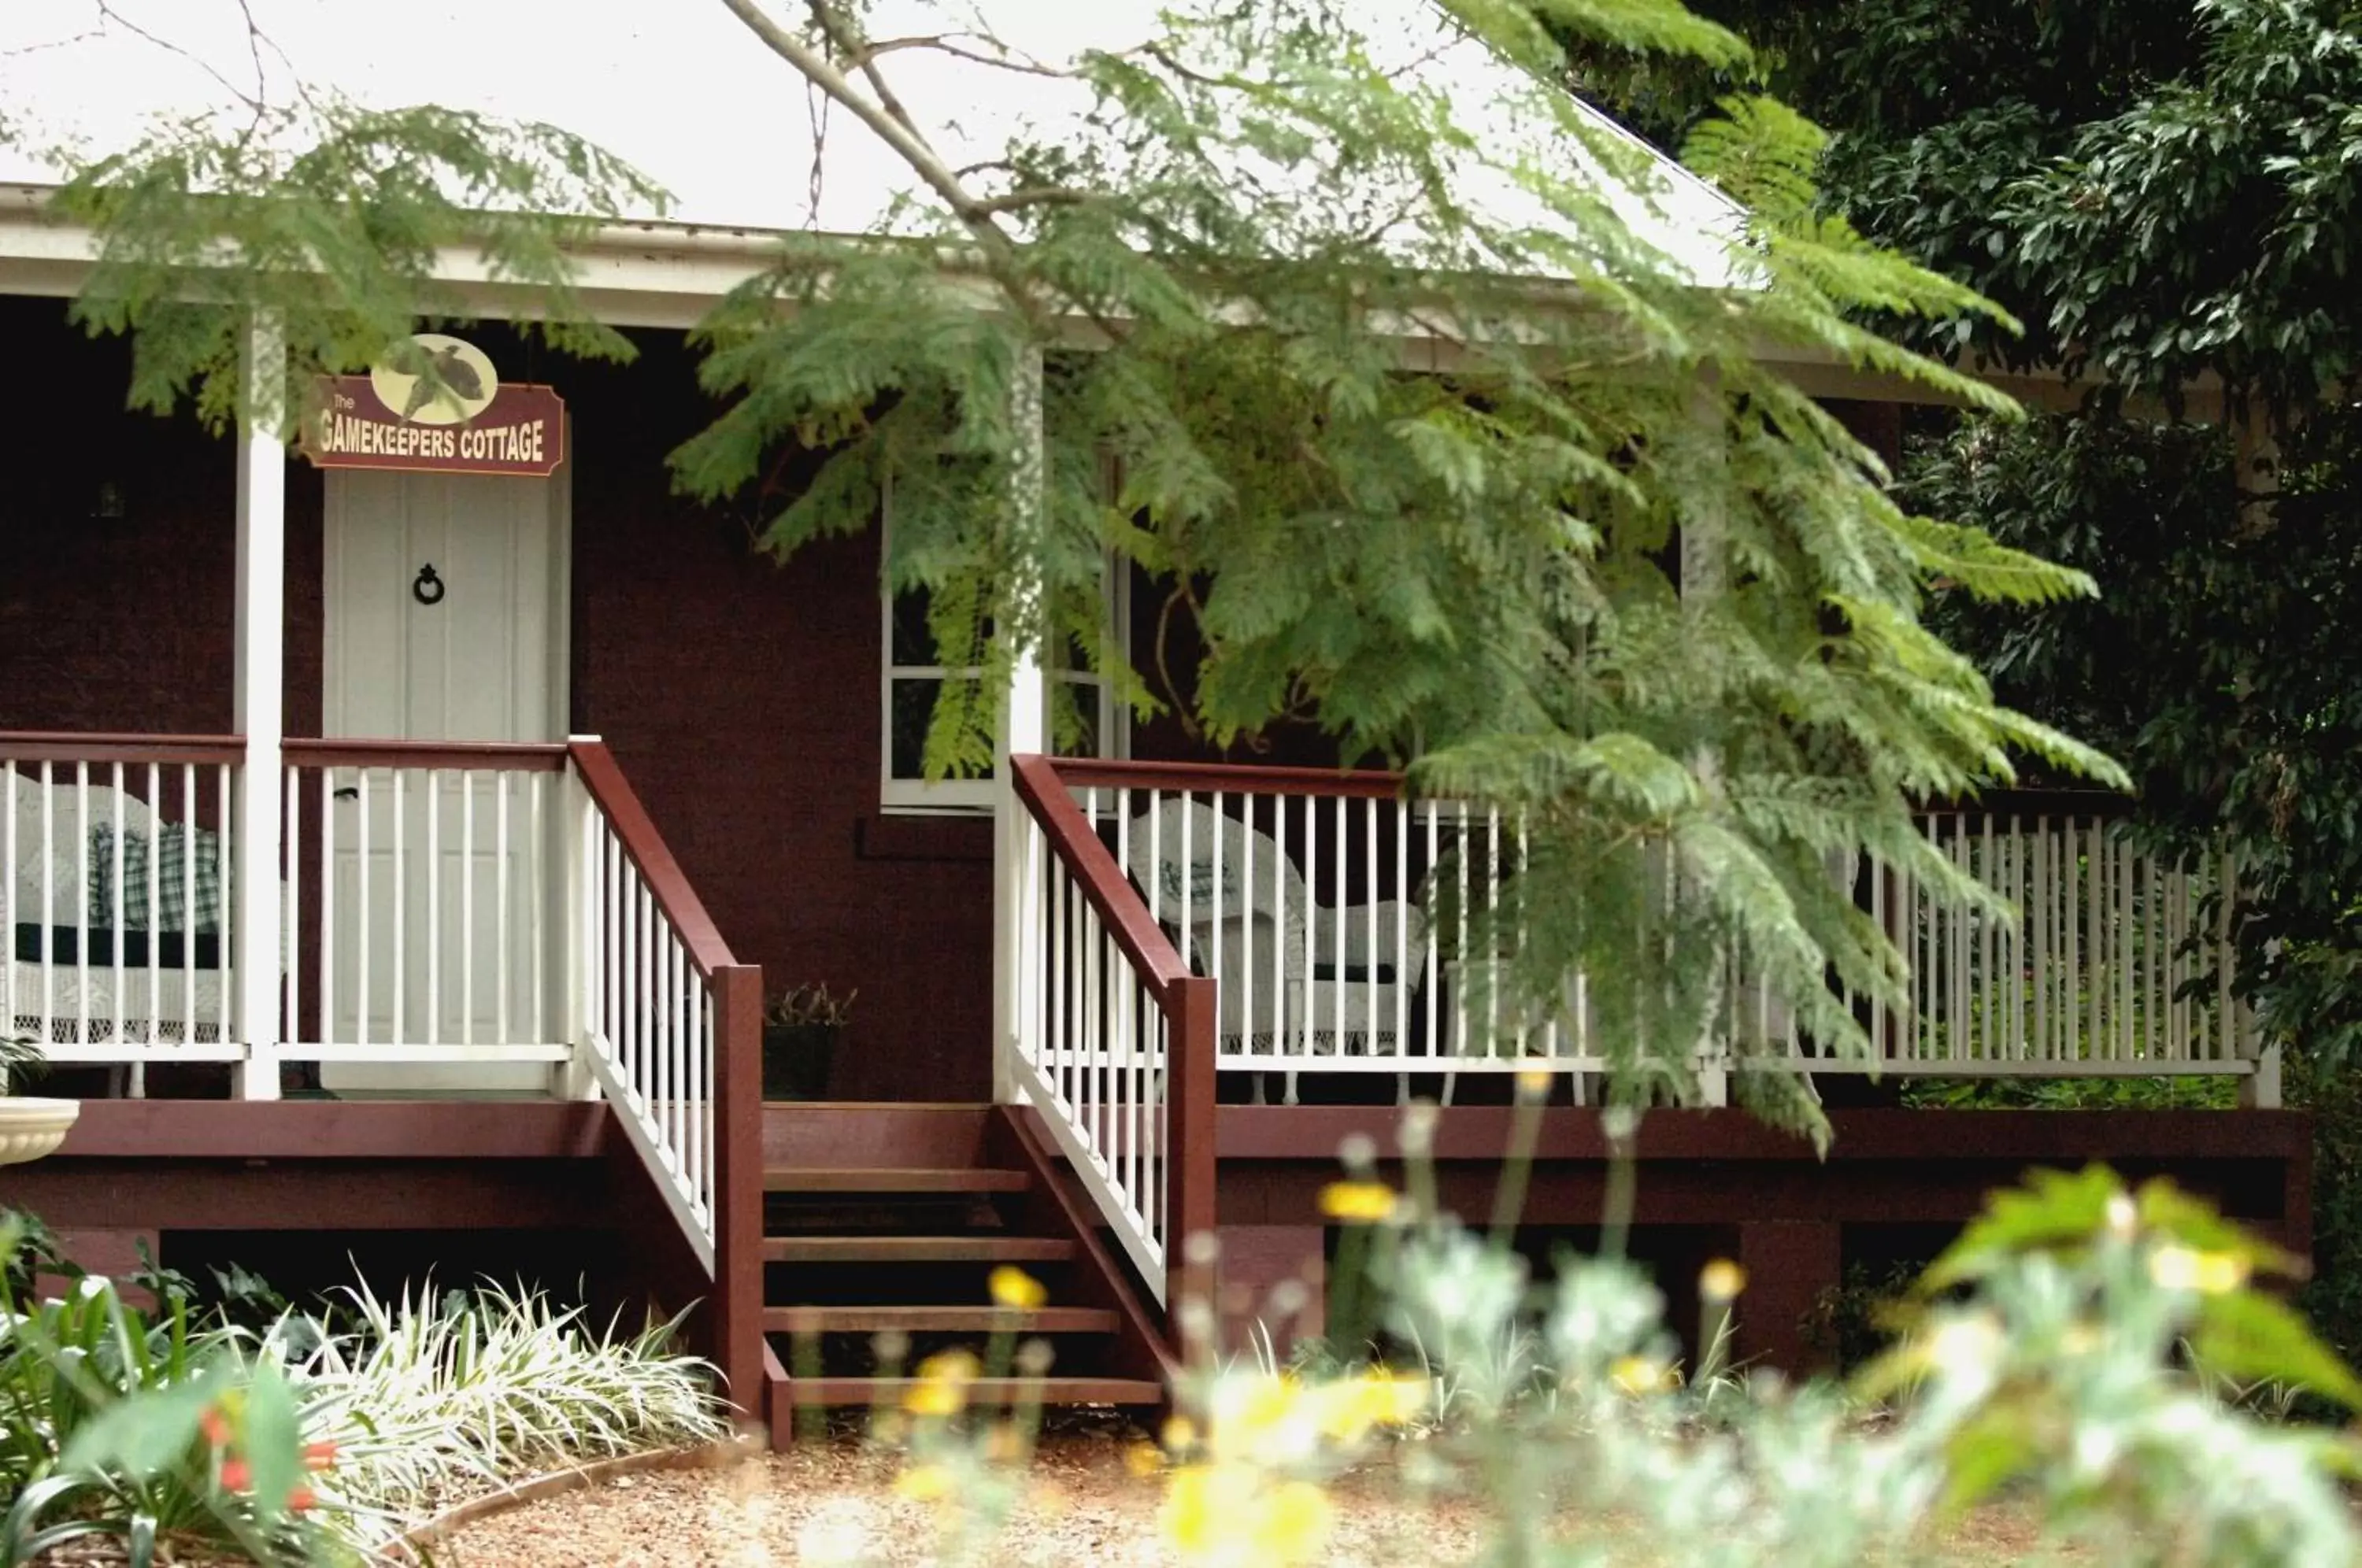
[30, 1127]
[799, 1033]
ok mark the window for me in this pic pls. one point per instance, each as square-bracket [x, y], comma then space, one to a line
[914, 677]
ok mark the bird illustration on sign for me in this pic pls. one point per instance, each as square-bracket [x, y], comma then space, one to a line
[432, 379]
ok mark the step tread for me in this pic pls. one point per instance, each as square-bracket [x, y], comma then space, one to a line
[841, 1391]
[857, 1179]
[917, 1249]
[925, 1320]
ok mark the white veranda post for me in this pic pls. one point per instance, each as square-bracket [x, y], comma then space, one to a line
[1024, 728]
[257, 707]
[1704, 575]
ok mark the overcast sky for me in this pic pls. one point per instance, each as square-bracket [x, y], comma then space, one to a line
[680, 88]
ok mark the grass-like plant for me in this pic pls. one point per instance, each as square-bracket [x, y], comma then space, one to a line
[149, 1434]
[436, 1394]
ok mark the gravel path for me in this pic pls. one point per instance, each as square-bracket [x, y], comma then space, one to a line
[833, 1504]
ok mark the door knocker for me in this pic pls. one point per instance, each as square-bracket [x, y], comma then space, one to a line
[428, 589]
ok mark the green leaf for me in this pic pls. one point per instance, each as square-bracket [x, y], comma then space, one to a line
[2248, 1335]
[273, 1438]
[143, 1433]
[2053, 1209]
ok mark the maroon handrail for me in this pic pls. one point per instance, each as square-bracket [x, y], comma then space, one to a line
[443, 756]
[1085, 773]
[51, 746]
[1041, 783]
[1187, 1002]
[679, 903]
[1109, 774]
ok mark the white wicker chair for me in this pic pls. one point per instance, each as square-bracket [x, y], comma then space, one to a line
[1252, 921]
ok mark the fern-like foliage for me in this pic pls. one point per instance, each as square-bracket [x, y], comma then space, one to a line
[332, 219]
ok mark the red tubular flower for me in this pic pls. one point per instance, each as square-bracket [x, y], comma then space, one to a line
[215, 1426]
[300, 1499]
[319, 1455]
[235, 1475]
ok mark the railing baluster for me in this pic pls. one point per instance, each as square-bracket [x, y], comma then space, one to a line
[328, 907]
[1246, 1012]
[82, 906]
[434, 903]
[291, 904]
[362, 1000]
[537, 847]
[1339, 987]
[505, 953]
[118, 900]
[1403, 910]
[48, 906]
[11, 916]
[466, 909]
[400, 868]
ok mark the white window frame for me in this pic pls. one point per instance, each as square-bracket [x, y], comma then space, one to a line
[921, 797]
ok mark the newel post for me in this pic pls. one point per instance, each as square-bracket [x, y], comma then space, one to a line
[257, 708]
[1189, 1163]
[577, 849]
[737, 1304]
[1024, 729]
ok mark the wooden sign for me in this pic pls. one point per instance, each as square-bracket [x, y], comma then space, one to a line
[437, 408]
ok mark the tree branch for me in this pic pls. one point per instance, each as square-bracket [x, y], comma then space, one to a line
[1033, 196]
[832, 26]
[891, 126]
[943, 43]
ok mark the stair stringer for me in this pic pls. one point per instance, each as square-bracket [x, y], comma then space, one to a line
[1141, 1347]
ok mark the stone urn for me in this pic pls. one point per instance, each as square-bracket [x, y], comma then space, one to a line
[31, 1127]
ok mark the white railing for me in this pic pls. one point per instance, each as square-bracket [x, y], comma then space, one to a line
[2117, 961]
[421, 904]
[115, 901]
[1114, 1044]
[1350, 930]
[657, 997]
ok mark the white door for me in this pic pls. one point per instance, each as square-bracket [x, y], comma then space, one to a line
[445, 621]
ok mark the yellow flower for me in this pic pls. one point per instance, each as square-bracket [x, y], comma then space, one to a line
[924, 1484]
[1004, 1444]
[1143, 1459]
[1258, 1407]
[1017, 1290]
[1962, 1345]
[1534, 1083]
[1202, 1502]
[1721, 1280]
[1348, 1409]
[942, 1387]
[1179, 1433]
[1294, 1523]
[1639, 1374]
[1222, 1513]
[2208, 1274]
[1357, 1202]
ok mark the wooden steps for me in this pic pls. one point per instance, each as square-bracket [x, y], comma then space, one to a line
[918, 1319]
[817, 1179]
[917, 1249]
[890, 1221]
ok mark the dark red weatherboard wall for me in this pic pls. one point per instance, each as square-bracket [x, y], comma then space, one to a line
[126, 624]
[741, 697]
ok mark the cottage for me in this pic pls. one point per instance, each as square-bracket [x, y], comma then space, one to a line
[398, 833]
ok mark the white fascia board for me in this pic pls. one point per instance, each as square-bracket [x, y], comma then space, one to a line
[667, 276]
